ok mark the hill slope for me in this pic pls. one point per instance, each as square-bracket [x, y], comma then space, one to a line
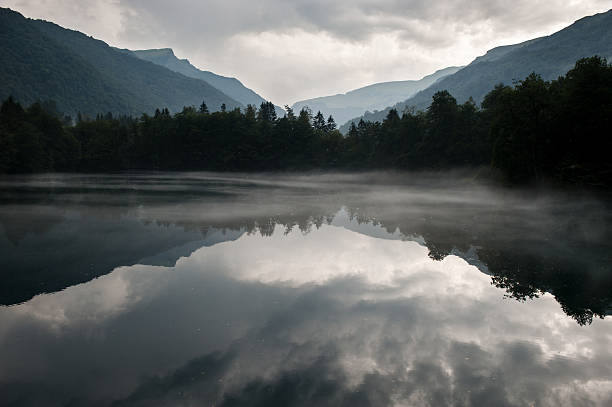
[549, 56]
[41, 60]
[373, 97]
[230, 86]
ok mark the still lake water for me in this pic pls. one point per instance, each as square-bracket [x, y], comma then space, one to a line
[355, 290]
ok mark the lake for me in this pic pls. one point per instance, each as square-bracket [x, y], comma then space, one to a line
[302, 290]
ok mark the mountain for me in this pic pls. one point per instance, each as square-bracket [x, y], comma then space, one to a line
[230, 86]
[347, 105]
[549, 56]
[43, 61]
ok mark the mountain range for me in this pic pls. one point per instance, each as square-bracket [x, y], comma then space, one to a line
[43, 61]
[230, 86]
[347, 105]
[549, 56]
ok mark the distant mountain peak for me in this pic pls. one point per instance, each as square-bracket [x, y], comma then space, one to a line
[344, 106]
[228, 85]
[158, 51]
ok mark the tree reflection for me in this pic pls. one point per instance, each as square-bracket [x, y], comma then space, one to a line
[583, 293]
[579, 276]
[79, 242]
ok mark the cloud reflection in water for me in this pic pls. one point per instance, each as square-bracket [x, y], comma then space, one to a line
[331, 317]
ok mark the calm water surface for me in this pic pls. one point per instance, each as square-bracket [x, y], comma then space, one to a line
[355, 290]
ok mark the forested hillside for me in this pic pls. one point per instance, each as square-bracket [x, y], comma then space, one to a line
[43, 61]
[230, 86]
[534, 130]
[549, 56]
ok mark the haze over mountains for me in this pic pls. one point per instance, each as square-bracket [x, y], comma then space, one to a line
[549, 56]
[230, 86]
[345, 106]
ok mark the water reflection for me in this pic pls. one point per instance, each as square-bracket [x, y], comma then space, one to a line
[64, 230]
[296, 292]
[329, 317]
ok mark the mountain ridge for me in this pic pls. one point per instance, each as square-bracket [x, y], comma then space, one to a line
[549, 56]
[343, 106]
[44, 61]
[231, 86]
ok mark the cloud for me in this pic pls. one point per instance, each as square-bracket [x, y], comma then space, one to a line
[425, 21]
[102, 19]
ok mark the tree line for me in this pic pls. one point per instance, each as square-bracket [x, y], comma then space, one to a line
[532, 130]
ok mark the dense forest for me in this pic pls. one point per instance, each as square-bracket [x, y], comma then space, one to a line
[530, 131]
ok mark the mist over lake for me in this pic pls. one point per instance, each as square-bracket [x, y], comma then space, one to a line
[296, 290]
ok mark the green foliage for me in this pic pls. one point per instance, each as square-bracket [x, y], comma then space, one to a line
[267, 112]
[34, 140]
[531, 131]
[557, 129]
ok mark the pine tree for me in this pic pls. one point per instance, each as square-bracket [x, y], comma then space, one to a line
[267, 112]
[290, 113]
[203, 108]
[319, 122]
[331, 124]
[250, 113]
[353, 130]
[305, 116]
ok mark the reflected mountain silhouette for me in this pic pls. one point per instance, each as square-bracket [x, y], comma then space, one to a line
[60, 231]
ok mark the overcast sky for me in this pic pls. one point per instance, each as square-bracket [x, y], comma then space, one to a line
[287, 50]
